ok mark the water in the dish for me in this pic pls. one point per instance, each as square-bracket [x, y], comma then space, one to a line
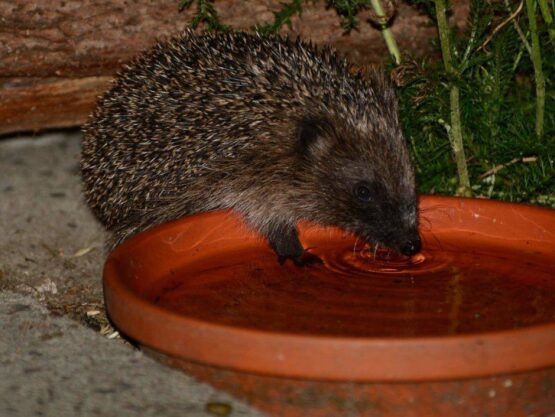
[364, 292]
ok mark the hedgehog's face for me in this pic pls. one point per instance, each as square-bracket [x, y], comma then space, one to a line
[364, 187]
[378, 215]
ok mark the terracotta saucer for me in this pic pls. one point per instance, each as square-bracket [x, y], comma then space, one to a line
[478, 301]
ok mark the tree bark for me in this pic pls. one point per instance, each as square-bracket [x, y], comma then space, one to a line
[58, 56]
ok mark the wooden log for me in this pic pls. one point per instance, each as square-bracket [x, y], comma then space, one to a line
[36, 104]
[57, 56]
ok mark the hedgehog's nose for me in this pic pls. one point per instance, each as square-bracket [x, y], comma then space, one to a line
[411, 247]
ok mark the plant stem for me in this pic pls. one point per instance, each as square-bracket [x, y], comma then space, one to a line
[455, 136]
[519, 31]
[537, 62]
[548, 18]
[386, 31]
[443, 27]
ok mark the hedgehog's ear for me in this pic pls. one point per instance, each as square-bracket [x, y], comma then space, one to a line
[311, 136]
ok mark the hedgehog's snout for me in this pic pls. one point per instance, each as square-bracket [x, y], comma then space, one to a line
[411, 246]
[407, 243]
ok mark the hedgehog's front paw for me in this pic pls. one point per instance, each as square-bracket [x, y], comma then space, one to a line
[287, 249]
[284, 240]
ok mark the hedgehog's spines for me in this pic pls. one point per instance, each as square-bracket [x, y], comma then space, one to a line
[200, 122]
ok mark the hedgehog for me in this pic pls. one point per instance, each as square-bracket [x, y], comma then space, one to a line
[274, 129]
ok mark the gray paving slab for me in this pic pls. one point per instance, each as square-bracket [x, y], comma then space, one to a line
[51, 253]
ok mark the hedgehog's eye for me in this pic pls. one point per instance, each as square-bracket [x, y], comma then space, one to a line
[362, 191]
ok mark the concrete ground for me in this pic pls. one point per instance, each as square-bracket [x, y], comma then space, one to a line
[58, 354]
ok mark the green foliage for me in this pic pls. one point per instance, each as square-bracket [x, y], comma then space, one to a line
[495, 75]
[205, 13]
[493, 69]
[346, 9]
[282, 17]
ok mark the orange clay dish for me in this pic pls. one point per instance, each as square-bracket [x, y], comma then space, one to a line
[478, 300]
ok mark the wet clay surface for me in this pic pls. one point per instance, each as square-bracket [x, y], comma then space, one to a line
[360, 293]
